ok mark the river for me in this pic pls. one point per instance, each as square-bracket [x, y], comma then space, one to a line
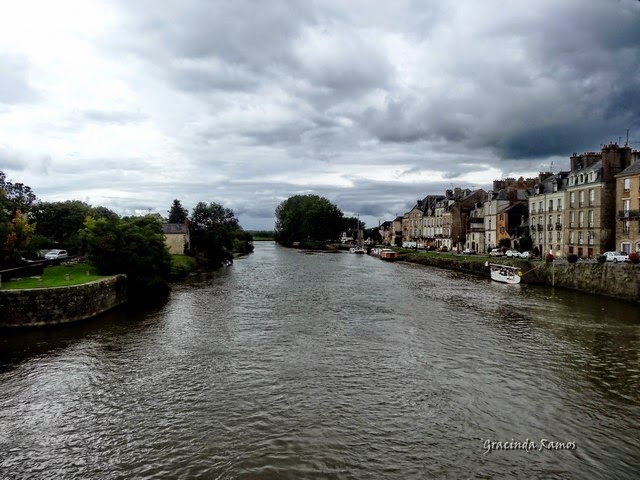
[293, 364]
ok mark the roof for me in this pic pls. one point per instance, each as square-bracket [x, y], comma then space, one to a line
[632, 169]
[176, 228]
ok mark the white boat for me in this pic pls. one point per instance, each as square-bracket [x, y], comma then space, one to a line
[505, 273]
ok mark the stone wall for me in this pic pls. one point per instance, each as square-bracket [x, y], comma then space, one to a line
[619, 280]
[48, 306]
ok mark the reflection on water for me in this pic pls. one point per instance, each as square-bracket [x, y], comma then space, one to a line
[315, 365]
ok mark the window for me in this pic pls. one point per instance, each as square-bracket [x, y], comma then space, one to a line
[626, 248]
[627, 184]
[570, 237]
[581, 203]
[580, 219]
[579, 238]
[533, 237]
[572, 199]
[590, 218]
[572, 219]
[550, 205]
[592, 196]
[559, 204]
[625, 207]
[558, 236]
[625, 226]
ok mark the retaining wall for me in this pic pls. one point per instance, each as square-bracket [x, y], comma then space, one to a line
[49, 306]
[620, 280]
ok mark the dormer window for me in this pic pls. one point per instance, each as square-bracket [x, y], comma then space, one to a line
[581, 178]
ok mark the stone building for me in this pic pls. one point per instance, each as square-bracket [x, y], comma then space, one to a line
[591, 200]
[546, 214]
[628, 207]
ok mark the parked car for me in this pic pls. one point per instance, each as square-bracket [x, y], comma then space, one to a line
[512, 253]
[55, 254]
[616, 257]
[496, 252]
[527, 254]
[468, 251]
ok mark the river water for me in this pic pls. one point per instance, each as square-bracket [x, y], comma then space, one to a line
[330, 365]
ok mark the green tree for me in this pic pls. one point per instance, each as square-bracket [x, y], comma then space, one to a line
[177, 213]
[212, 228]
[16, 235]
[134, 246]
[59, 223]
[309, 219]
[15, 196]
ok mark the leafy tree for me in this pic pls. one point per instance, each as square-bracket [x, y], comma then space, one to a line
[16, 231]
[308, 219]
[134, 246]
[177, 213]
[16, 239]
[15, 196]
[526, 244]
[58, 223]
[242, 242]
[213, 229]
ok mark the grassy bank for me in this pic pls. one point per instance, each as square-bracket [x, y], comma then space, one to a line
[56, 276]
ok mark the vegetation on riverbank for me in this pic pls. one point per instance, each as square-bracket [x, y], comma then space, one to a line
[56, 276]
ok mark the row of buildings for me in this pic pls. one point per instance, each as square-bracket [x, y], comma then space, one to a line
[592, 208]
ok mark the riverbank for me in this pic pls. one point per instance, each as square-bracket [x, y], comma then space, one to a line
[31, 307]
[616, 280]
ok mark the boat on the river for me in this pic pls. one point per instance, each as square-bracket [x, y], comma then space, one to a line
[387, 254]
[358, 248]
[505, 273]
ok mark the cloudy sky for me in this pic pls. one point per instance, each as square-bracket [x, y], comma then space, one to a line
[372, 104]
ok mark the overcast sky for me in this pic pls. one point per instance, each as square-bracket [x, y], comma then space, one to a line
[372, 104]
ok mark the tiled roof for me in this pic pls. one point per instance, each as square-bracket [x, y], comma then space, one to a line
[168, 228]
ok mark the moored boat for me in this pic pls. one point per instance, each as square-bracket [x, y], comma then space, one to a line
[505, 273]
[388, 254]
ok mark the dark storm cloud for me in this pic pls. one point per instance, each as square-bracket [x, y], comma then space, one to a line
[579, 84]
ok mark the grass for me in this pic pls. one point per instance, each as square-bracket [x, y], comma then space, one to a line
[55, 276]
[182, 265]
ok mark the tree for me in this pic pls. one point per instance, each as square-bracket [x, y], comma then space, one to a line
[16, 239]
[15, 196]
[58, 223]
[134, 246]
[308, 219]
[213, 229]
[177, 213]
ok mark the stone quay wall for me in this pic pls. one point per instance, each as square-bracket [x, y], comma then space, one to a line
[50, 306]
[621, 280]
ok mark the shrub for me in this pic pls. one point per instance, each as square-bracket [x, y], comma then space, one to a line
[572, 258]
[634, 257]
[549, 258]
[601, 258]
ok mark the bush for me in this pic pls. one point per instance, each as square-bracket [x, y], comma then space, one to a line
[601, 258]
[549, 258]
[572, 258]
[634, 257]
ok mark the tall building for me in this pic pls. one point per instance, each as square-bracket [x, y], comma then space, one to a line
[591, 200]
